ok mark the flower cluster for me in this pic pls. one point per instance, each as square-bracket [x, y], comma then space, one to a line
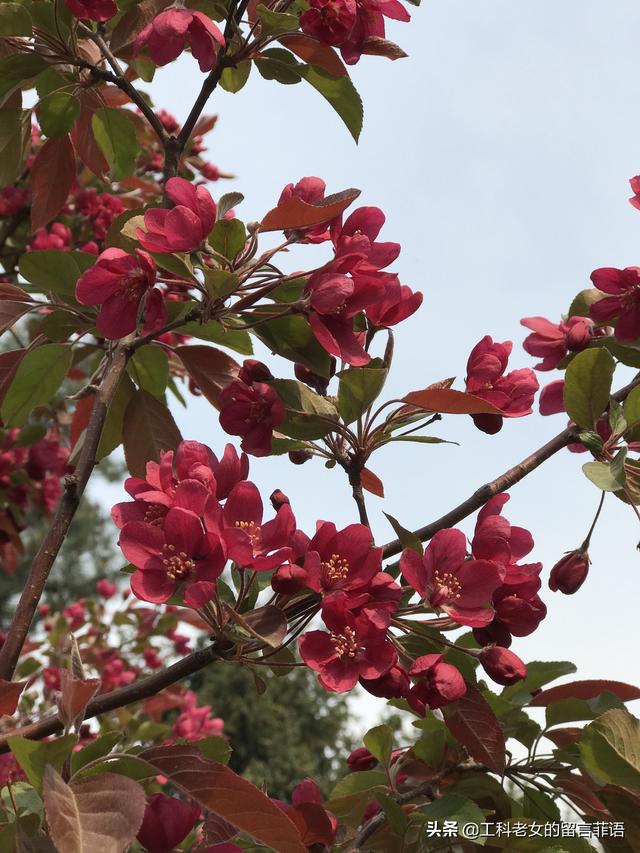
[30, 479]
[354, 26]
[353, 281]
[512, 393]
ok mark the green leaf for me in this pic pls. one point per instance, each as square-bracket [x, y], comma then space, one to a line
[610, 749]
[15, 20]
[95, 749]
[214, 747]
[583, 301]
[632, 408]
[539, 806]
[341, 94]
[292, 338]
[114, 422]
[379, 742]
[220, 283]
[406, 537]
[177, 263]
[33, 756]
[539, 673]
[149, 367]
[587, 386]
[57, 113]
[393, 812]
[359, 387]
[226, 203]
[228, 238]
[15, 141]
[17, 69]
[38, 377]
[275, 23]
[234, 339]
[306, 411]
[608, 476]
[234, 79]
[454, 807]
[51, 271]
[116, 138]
[280, 65]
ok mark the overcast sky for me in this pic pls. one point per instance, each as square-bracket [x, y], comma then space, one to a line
[500, 152]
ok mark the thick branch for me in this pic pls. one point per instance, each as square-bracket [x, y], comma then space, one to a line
[73, 491]
[358, 495]
[141, 689]
[503, 482]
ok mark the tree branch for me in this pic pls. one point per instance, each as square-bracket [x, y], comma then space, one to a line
[503, 482]
[73, 490]
[175, 144]
[121, 696]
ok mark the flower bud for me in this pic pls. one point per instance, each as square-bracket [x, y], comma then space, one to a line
[313, 380]
[394, 684]
[495, 633]
[361, 759]
[570, 572]
[579, 333]
[289, 579]
[299, 457]
[167, 821]
[278, 499]
[502, 665]
[254, 371]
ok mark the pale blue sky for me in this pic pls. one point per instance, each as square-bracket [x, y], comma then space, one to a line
[500, 151]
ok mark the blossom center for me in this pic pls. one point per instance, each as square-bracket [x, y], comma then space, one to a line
[336, 568]
[177, 563]
[155, 514]
[250, 528]
[447, 588]
[345, 644]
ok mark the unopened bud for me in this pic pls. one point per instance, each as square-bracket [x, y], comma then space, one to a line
[570, 572]
[253, 370]
[299, 457]
[278, 499]
[502, 665]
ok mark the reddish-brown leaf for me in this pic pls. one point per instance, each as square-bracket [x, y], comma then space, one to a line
[11, 291]
[228, 795]
[565, 736]
[315, 53]
[313, 824]
[52, 175]
[581, 791]
[133, 22]
[80, 418]
[473, 724]
[374, 46]
[267, 623]
[371, 482]
[10, 313]
[9, 362]
[148, 430]
[295, 213]
[75, 695]
[83, 139]
[166, 700]
[450, 402]
[216, 830]
[10, 692]
[204, 125]
[102, 813]
[210, 368]
[586, 690]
